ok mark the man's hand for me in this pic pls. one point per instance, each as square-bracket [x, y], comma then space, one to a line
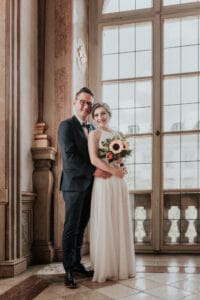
[103, 174]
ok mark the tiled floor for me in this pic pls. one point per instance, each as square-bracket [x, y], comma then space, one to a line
[158, 277]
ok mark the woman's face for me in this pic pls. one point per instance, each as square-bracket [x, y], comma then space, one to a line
[101, 117]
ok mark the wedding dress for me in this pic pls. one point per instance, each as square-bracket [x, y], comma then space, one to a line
[111, 237]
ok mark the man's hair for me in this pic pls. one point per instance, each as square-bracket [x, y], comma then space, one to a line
[84, 90]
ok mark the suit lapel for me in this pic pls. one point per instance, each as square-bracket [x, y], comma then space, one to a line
[78, 128]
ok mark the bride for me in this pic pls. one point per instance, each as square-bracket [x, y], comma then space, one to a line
[111, 236]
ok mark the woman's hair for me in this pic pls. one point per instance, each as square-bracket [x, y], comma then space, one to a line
[101, 104]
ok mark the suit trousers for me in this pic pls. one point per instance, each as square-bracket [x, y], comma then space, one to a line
[77, 214]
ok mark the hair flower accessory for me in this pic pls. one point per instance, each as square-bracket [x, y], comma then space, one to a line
[114, 148]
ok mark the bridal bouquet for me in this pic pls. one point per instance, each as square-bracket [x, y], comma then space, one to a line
[114, 148]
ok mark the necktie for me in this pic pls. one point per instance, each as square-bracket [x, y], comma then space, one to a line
[87, 126]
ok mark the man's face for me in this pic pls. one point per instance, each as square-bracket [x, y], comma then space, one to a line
[83, 105]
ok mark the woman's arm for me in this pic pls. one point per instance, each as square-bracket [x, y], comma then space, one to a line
[93, 143]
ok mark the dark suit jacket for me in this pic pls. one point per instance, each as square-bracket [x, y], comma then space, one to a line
[77, 172]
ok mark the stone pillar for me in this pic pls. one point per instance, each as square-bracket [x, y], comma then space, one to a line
[27, 200]
[43, 156]
[3, 189]
[12, 261]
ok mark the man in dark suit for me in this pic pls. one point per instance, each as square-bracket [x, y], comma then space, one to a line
[76, 183]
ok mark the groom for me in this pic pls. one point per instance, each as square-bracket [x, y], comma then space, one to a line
[76, 183]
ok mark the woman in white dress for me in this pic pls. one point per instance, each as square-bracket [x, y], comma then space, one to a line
[111, 237]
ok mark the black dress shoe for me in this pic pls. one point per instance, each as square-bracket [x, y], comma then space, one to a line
[82, 270]
[70, 281]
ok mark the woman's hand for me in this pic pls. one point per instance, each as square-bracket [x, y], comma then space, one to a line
[119, 173]
[119, 161]
[103, 174]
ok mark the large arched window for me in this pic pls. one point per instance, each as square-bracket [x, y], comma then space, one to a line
[145, 63]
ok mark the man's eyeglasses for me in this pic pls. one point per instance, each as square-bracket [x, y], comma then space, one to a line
[84, 102]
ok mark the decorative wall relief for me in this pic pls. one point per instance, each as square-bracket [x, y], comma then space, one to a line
[81, 54]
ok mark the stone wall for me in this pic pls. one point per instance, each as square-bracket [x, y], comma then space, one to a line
[65, 72]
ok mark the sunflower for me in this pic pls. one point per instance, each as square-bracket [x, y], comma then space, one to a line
[116, 146]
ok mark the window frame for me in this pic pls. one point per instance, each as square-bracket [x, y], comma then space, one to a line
[157, 14]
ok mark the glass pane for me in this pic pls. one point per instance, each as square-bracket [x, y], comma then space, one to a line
[143, 63]
[143, 150]
[127, 38]
[130, 159]
[189, 148]
[189, 89]
[171, 175]
[143, 4]
[172, 118]
[197, 125]
[199, 53]
[189, 59]
[181, 161]
[143, 120]
[143, 37]
[181, 39]
[181, 218]
[110, 66]
[189, 28]
[188, 1]
[110, 95]
[199, 149]
[126, 120]
[126, 5]
[127, 65]
[143, 176]
[189, 175]
[172, 214]
[172, 33]
[130, 177]
[126, 95]
[172, 60]
[189, 115]
[143, 93]
[173, 2]
[114, 123]
[141, 214]
[171, 148]
[172, 91]
[199, 49]
[110, 40]
[110, 6]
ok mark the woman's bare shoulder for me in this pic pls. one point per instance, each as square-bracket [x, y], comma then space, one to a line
[95, 133]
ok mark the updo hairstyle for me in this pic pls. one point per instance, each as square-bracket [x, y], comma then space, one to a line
[101, 104]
